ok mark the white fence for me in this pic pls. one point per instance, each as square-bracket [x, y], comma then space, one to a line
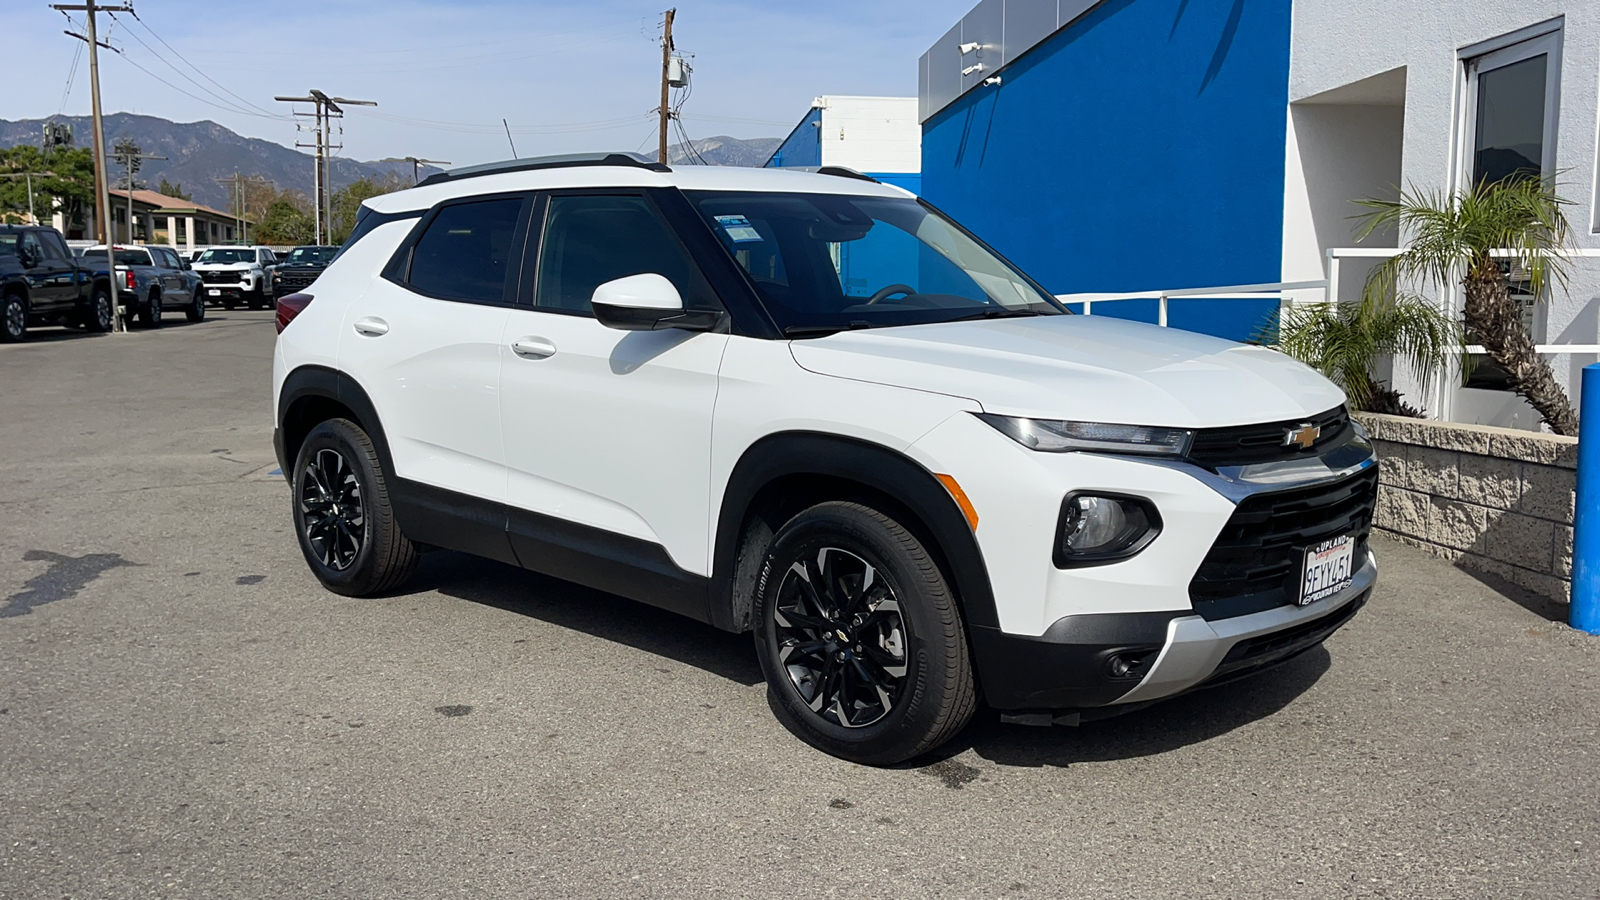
[1329, 288]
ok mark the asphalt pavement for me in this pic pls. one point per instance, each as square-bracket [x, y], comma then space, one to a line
[185, 713]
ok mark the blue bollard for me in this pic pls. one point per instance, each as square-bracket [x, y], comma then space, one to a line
[1584, 614]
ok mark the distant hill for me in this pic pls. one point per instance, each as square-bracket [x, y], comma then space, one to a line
[726, 151]
[198, 153]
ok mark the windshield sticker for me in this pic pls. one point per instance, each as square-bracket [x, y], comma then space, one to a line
[738, 229]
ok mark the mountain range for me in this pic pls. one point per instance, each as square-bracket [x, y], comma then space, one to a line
[200, 153]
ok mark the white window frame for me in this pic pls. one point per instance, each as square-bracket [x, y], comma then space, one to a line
[1536, 40]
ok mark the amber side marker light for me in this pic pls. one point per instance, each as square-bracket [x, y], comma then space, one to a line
[960, 497]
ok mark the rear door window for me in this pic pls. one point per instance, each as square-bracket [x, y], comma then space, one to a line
[468, 252]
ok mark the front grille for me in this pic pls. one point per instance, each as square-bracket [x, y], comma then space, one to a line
[1255, 562]
[224, 277]
[297, 279]
[1243, 445]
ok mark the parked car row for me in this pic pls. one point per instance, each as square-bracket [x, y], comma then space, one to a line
[44, 280]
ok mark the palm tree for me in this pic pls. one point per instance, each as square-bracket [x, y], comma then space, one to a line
[1341, 340]
[1452, 236]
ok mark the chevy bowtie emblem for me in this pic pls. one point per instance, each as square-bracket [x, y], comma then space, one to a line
[1302, 437]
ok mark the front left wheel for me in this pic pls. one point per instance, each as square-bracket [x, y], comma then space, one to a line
[860, 638]
[342, 515]
[13, 318]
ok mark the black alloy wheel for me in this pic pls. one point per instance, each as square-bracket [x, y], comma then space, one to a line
[860, 638]
[840, 637]
[331, 510]
[13, 318]
[99, 313]
[196, 310]
[342, 515]
[150, 316]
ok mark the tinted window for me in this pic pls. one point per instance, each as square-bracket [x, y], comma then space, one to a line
[226, 256]
[589, 241]
[169, 259]
[466, 252]
[1511, 110]
[8, 243]
[53, 248]
[311, 256]
[133, 258]
[32, 251]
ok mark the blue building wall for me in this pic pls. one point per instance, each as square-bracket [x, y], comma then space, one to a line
[1140, 148]
[803, 146]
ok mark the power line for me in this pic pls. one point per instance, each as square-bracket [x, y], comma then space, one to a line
[72, 75]
[224, 103]
[152, 33]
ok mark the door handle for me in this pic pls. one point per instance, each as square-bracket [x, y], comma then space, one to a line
[533, 347]
[371, 326]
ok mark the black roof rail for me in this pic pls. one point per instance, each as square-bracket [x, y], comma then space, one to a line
[845, 172]
[561, 161]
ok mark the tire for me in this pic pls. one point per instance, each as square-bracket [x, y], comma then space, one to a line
[98, 317]
[13, 318]
[150, 315]
[258, 300]
[196, 310]
[342, 515]
[830, 639]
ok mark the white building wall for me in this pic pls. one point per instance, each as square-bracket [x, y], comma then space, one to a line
[1337, 44]
[871, 134]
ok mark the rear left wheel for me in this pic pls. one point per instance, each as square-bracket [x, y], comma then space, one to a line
[860, 638]
[13, 318]
[342, 515]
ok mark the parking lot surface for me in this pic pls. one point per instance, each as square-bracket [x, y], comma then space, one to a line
[185, 713]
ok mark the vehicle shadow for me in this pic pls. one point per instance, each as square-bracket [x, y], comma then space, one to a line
[607, 616]
[47, 334]
[1164, 726]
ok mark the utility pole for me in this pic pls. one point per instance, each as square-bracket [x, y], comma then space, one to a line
[127, 160]
[666, 61]
[327, 108]
[417, 164]
[101, 195]
[241, 209]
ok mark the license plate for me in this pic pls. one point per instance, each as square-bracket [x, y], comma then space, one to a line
[1329, 569]
[214, 292]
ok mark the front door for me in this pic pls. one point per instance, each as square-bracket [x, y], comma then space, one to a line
[608, 433]
[51, 276]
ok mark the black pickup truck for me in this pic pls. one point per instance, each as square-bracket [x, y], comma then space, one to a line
[296, 271]
[41, 283]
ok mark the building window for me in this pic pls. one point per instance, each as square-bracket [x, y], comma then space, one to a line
[1513, 95]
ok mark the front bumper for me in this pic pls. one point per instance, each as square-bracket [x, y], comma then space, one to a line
[1067, 670]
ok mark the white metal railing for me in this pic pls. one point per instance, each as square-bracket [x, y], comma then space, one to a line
[1329, 288]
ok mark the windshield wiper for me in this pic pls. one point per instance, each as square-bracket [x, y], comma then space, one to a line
[823, 330]
[996, 312]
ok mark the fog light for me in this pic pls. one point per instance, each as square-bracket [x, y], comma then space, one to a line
[1130, 663]
[1101, 528]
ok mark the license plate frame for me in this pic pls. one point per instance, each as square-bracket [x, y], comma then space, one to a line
[213, 292]
[1326, 568]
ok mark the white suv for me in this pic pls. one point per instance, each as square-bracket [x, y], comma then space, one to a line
[809, 406]
[234, 275]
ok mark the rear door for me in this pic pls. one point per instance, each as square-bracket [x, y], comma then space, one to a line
[608, 433]
[424, 342]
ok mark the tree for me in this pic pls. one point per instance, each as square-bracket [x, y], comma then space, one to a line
[347, 201]
[1452, 236]
[1341, 340]
[169, 189]
[68, 181]
[286, 223]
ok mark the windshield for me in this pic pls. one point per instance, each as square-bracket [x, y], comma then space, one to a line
[226, 255]
[311, 256]
[826, 262]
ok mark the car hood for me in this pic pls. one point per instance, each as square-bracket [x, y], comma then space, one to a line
[1087, 368]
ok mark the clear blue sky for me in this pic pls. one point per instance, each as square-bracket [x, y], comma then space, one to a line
[568, 76]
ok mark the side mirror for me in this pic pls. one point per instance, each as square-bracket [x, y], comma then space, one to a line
[647, 302]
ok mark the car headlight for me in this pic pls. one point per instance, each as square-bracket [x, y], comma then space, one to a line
[1055, 436]
[1099, 528]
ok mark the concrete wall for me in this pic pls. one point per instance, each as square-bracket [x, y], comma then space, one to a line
[1140, 147]
[1339, 45]
[1494, 500]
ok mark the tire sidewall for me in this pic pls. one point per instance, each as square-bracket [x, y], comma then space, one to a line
[883, 741]
[99, 301]
[197, 308]
[338, 435]
[6, 305]
[154, 315]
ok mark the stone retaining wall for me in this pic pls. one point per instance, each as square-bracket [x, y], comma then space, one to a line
[1493, 500]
